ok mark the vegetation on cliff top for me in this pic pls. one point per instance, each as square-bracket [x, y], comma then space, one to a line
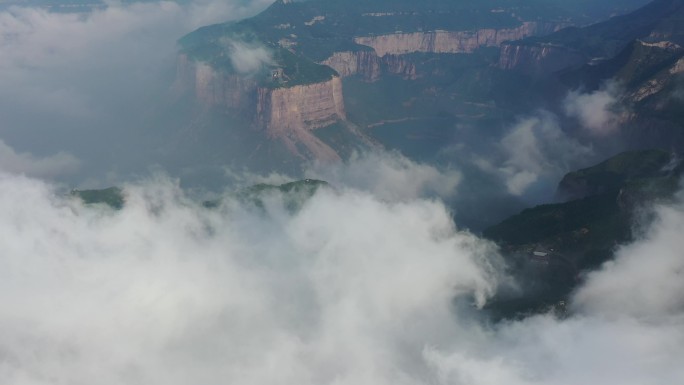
[112, 197]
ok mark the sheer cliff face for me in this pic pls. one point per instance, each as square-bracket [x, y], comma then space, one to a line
[347, 63]
[450, 41]
[389, 51]
[277, 110]
[370, 66]
[288, 114]
[538, 58]
[305, 107]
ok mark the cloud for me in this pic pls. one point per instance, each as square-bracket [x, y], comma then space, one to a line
[248, 59]
[26, 163]
[597, 111]
[536, 148]
[351, 289]
[646, 278]
[389, 176]
[87, 82]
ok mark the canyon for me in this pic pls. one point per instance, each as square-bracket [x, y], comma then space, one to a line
[290, 112]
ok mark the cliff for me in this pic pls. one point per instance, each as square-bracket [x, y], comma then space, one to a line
[347, 63]
[283, 113]
[538, 58]
[304, 107]
[370, 66]
[451, 41]
[387, 53]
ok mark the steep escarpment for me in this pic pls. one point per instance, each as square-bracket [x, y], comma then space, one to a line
[370, 66]
[286, 113]
[538, 58]
[348, 63]
[277, 110]
[304, 107]
[451, 41]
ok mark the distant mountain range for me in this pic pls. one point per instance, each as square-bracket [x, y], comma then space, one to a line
[320, 78]
[641, 51]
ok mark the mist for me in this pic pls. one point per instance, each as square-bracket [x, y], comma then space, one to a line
[90, 84]
[348, 289]
[598, 112]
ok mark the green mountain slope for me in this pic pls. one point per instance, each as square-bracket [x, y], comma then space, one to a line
[549, 245]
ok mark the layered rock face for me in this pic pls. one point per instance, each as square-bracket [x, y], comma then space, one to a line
[305, 107]
[370, 66]
[538, 58]
[288, 113]
[348, 63]
[277, 110]
[451, 41]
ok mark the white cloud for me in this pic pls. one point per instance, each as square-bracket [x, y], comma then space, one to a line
[390, 176]
[26, 163]
[646, 279]
[597, 111]
[536, 148]
[349, 290]
[248, 58]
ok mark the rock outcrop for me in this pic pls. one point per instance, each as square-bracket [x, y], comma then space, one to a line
[285, 113]
[348, 63]
[304, 107]
[451, 41]
[536, 59]
[370, 66]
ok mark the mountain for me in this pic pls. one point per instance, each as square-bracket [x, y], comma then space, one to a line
[656, 22]
[641, 53]
[650, 76]
[113, 197]
[549, 246]
[293, 194]
[298, 68]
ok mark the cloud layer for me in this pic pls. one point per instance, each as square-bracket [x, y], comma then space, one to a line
[349, 290]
